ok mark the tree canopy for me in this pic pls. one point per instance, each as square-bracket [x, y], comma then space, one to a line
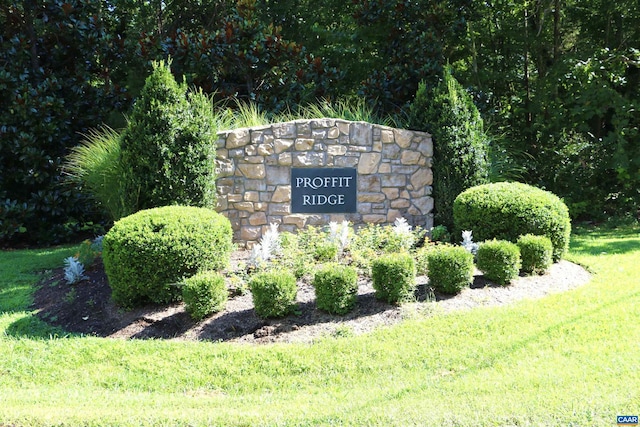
[556, 81]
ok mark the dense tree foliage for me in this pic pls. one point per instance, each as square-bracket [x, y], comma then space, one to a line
[556, 81]
[54, 83]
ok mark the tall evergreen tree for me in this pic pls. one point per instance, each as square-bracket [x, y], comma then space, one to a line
[460, 144]
[168, 147]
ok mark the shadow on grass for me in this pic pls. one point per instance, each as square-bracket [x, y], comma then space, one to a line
[32, 327]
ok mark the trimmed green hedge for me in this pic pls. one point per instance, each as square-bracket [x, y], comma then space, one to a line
[499, 260]
[204, 293]
[146, 254]
[507, 210]
[336, 288]
[536, 253]
[274, 293]
[394, 277]
[450, 268]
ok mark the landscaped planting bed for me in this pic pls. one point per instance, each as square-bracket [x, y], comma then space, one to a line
[87, 307]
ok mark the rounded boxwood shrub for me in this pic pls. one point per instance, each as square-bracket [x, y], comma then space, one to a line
[393, 277]
[507, 210]
[536, 253]
[450, 268]
[274, 293]
[499, 260]
[336, 288]
[204, 293]
[147, 253]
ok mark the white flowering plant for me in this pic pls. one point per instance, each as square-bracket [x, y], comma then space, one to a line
[340, 234]
[468, 243]
[73, 270]
[404, 231]
[268, 248]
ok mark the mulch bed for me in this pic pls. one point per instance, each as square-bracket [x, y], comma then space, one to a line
[86, 308]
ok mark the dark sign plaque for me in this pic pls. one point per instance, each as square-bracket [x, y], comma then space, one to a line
[323, 190]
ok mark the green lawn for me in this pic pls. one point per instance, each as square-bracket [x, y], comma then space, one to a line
[570, 359]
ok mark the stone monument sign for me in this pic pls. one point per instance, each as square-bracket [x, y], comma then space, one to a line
[311, 172]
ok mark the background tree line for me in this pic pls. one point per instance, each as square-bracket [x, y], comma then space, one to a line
[556, 82]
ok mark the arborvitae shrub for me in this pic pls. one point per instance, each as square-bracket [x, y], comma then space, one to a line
[168, 147]
[450, 268]
[507, 210]
[394, 277]
[336, 288]
[499, 260]
[146, 254]
[274, 293]
[204, 293]
[536, 253]
[460, 144]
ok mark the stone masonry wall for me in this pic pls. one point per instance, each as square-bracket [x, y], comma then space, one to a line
[394, 174]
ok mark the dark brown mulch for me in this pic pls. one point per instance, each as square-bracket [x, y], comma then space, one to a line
[86, 308]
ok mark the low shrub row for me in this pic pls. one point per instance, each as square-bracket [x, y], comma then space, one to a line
[336, 286]
[171, 253]
[450, 268]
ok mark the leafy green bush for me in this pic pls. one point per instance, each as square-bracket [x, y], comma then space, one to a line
[536, 253]
[325, 252]
[382, 239]
[450, 268]
[297, 253]
[374, 240]
[147, 253]
[421, 258]
[460, 144]
[88, 251]
[274, 293]
[336, 288]
[507, 210]
[499, 260]
[168, 147]
[440, 233]
[204, 293]
[394, 277]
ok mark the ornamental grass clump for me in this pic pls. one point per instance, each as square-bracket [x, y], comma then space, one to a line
[204, 293]
[536, 253]
[336, 288]
[499, 260]
[394, 277]
[450, 268]
[274, 293]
